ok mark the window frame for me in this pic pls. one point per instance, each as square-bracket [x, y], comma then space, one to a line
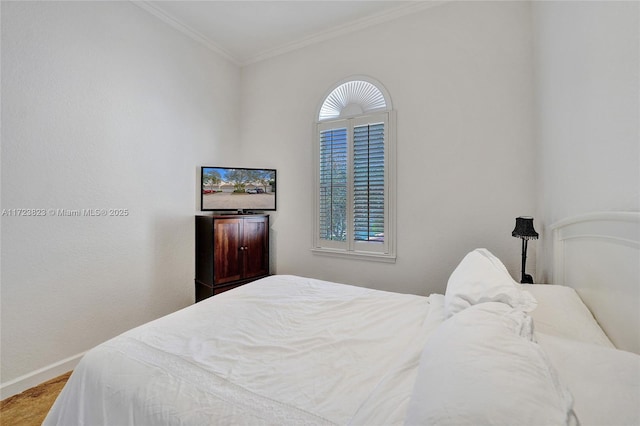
[374, 251]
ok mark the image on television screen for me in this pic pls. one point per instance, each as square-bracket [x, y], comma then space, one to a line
[226, 188]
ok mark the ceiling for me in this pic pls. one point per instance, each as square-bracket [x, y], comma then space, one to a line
[249, 31]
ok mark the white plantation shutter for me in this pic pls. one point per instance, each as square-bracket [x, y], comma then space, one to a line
[368, 182]
[354, 214]
[333, 184]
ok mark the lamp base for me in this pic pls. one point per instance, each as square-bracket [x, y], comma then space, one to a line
[526, 279]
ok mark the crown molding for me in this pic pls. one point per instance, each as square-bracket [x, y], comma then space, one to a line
[334, 32]
[348, 28]
[185, 29]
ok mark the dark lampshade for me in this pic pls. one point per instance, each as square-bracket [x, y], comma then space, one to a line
[524, 228]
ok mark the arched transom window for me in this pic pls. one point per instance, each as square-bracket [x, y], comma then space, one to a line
[355, 150]
[354, 97]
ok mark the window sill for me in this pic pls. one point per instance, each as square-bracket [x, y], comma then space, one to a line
[370, 256]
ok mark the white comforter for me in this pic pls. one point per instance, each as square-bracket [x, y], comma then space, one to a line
[282, 350]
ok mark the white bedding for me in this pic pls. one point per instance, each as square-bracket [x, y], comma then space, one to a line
[276, 351]
[288, 350]
[561, 312]
[480, 367]
[604, 381]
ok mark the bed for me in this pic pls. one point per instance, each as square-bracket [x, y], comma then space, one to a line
[294, 350]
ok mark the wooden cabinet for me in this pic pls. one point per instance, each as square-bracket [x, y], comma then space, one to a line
[231, 250]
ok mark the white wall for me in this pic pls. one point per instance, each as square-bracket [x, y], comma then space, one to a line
[587, 65]
[103, 106]
[460, 78]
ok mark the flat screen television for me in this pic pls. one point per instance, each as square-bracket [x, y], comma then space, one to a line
[237, 189]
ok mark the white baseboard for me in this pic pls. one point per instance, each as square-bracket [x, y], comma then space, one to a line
[22, 383]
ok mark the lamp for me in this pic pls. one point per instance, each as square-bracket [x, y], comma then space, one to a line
[524, 229]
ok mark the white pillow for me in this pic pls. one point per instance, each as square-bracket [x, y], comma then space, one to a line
[481, 277]
[476, 369]
[604, 381]
[562, 313]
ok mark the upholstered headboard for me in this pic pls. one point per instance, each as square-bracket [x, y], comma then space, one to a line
[598, 254]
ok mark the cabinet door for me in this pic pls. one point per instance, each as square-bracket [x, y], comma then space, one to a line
[228, 250]
[256, 247]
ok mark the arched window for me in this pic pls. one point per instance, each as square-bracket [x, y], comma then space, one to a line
[355, 173]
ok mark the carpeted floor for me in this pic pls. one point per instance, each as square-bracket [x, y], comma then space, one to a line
[31, 406]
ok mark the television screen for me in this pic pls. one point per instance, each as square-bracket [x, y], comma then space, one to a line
[226, 188]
